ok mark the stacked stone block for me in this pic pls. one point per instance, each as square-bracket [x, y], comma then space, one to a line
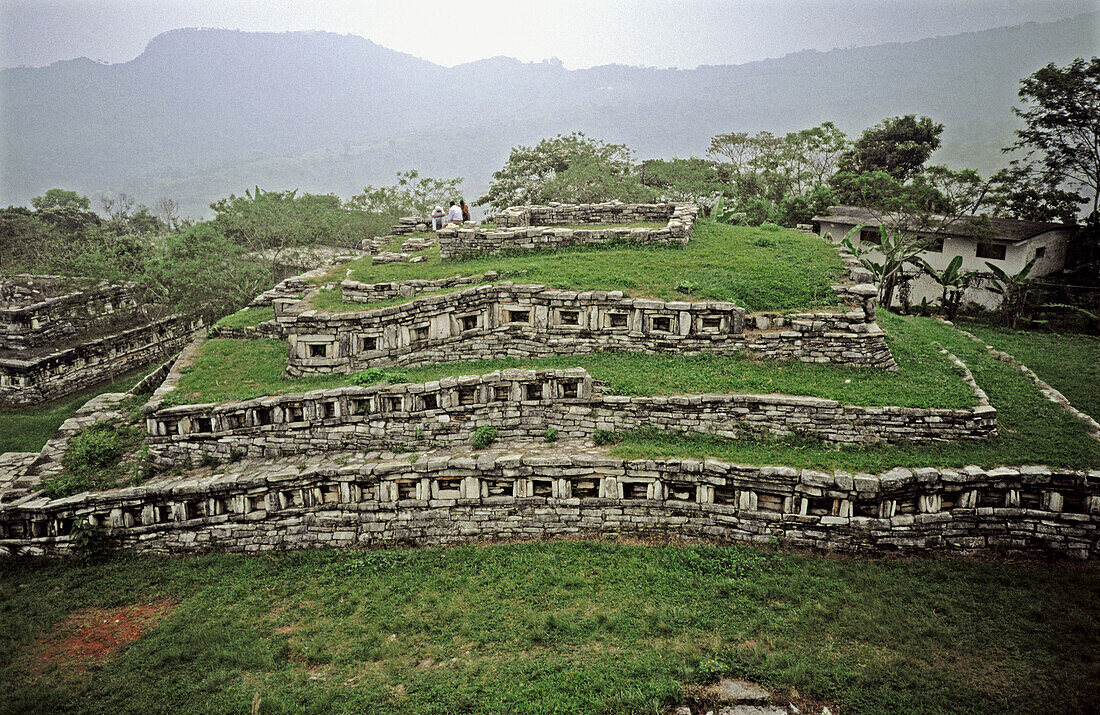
[532, 228]
[259, 507]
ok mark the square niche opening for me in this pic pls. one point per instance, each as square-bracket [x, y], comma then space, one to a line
[616, 320]
[519, 316]
[318, 350]
[468, 322]
[570, 317]
[662, 324]
[368, 343]
[532, 391]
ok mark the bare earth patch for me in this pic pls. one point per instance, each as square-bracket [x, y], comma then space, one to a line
[90, 636]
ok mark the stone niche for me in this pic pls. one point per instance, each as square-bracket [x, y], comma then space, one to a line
[361, 503]
[533, 228]
[59, 335]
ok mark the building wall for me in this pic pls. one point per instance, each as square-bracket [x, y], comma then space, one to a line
[1030, 509]
[1016, 257]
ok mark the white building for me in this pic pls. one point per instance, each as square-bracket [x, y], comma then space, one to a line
[1009, 246]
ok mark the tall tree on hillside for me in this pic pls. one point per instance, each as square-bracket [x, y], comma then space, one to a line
[1062, 125]
[898, 145]
[568, 167]
[60, 198]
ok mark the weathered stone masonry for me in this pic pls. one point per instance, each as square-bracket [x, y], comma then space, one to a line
[56, 337]
[455, 499]
[493, 321]
[521, 405]
[531, 228]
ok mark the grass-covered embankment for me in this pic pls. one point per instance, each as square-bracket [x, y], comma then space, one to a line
[1069, 362]
[550, 628]
[758, 269]
[1032, 430]
[242, 369]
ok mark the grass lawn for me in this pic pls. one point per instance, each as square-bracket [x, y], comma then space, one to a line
[27, 429]
[247, 317]
[781, 270]
[545, 628]
[1070, 362]
[241, 369]
[1032, 429]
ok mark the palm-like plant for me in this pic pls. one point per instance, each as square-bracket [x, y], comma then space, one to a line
[954, 281]
[898, 250]
[1013, 290]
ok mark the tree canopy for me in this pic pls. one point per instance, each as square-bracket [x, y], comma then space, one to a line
[898, 145]
[567, 168]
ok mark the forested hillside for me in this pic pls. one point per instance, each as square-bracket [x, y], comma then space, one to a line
[203, 113]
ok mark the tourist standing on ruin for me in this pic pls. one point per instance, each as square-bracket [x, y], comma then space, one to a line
[438, 214]
[465, 209]
[455, 214]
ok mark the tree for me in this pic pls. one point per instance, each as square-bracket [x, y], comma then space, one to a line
[58, 198]
[898, 145]
[168, 211]
[954, 281]
[412, 195]
[1022, 191]
[1013, 290]
[1061, 135]
[698, 181]
[527, 177]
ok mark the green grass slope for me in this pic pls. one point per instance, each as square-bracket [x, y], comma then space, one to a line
[781, 270]
[554, 628]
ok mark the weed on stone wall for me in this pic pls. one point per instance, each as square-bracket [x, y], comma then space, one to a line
[483, 437]
[551, 435]
[604, 436]
[98, 457]
[376, 375]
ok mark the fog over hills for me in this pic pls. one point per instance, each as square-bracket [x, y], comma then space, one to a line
[203, 113]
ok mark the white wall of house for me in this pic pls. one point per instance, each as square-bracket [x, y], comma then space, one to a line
[1052, 244]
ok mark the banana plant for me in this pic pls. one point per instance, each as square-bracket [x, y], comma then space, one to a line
[897, 249]
[1013, 290]
[954, 281]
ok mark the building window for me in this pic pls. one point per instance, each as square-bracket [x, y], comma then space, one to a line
[996, 251]
[935, 245]
[870, 235]
[1040, 252]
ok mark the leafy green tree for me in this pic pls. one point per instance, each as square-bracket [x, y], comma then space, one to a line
[412, 195]
[1023, 191]
[694, 180]
[57, 198]
[1013, 290]
[278, 225]
[1061, 133]
[954, 283]
[528, 176]
[898, 146]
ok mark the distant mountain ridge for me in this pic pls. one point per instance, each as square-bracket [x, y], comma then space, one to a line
[202, 113]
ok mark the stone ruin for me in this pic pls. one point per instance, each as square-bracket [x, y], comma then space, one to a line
[344, 485]
[59, 335]
[532, 228]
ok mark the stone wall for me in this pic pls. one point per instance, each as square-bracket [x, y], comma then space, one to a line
[256, 507]
[531, 228]
[522, 405]
[39, 310]
[505, 319]
[357, 292]
[30, 380]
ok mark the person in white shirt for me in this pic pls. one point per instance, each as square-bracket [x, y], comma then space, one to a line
[455, 214]
[438, 214]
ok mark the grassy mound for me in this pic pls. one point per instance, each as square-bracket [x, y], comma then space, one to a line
[242, 369]
[780, 270]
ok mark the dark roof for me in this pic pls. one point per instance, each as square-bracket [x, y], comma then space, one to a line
[1004, 229]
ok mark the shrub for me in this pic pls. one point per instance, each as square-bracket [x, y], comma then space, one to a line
[769, 226]
[483, 437]
[551, 435]
[94, 449]
[603, 436]
[90, 543]
[375, 375]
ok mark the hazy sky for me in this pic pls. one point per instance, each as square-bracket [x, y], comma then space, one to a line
[582, 33]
